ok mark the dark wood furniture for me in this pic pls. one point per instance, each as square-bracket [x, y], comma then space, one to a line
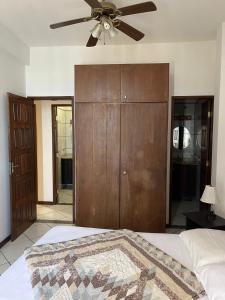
[22, 153]
[121, 146]
[200, 219]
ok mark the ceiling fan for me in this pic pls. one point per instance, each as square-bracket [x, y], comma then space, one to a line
[106, 14]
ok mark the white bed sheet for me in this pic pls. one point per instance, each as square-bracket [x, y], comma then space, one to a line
[15, 283]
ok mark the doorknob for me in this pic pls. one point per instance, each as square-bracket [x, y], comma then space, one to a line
[125, 98]
[124, 172]
[13, 167]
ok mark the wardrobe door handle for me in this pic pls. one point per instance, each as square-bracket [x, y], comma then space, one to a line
[124, 173]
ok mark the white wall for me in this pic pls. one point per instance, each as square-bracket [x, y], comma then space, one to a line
[192, 68]
[51, 71]
[218, 172]
[12, 79]
[44, 148]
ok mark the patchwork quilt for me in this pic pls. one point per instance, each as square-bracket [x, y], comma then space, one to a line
[113, 265]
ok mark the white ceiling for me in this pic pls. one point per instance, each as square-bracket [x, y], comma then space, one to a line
[175, 20]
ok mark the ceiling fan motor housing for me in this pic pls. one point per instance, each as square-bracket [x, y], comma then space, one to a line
[108, 10]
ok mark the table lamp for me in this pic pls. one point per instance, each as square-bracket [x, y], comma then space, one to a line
[209, 197]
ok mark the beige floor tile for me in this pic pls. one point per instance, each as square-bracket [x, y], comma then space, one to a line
[52, 216]
[3, 268]
[42, 209]
[55, 212]
[59, 224]
[65, 196]
[2, 259]
[13, 250]
[36, 231]
[67, 216]
[65, 208]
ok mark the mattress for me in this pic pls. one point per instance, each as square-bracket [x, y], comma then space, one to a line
[15, 283]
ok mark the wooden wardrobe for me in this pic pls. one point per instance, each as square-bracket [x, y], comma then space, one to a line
[121, 146]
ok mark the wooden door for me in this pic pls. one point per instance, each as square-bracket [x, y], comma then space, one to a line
[97, 164]
[143, 166]
[97, 83]
[23, 184]
[145, 83]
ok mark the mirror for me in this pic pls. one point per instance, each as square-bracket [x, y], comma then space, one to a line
[181, 137]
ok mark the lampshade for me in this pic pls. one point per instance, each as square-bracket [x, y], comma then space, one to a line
[96, 32]
[107, 23]
[113, 32]
[209, 195]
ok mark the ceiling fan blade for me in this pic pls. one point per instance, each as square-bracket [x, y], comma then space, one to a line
[92, 41]
[138, 8]
[70, 22]
[93, 3]
[129, 30]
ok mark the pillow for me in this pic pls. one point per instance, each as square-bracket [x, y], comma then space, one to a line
[205, 246]
[212, 278]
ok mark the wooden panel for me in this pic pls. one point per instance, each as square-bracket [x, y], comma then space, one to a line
[145, 83]
[23, 158]
[97, 165]
[143, 166]
[97, 83]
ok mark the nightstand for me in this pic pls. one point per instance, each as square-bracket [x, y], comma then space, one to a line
[200, 220]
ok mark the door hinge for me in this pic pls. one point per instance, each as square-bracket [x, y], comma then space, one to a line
[209, 114]
[207, 163]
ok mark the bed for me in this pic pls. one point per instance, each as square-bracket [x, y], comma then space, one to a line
[15, 283]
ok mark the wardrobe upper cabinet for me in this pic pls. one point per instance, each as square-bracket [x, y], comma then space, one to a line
[97, 83]
[145, 83]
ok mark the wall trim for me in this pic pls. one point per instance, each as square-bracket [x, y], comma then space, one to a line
[50, 98]
[6, 240]
[56, 222]
[45, 203]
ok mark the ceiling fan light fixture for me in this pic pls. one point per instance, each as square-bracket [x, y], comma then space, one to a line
[106, 13]
[97, 30]
[107, 23]
[113, 32]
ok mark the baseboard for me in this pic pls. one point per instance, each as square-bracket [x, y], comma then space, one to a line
[6, 240]
[54, 221]
[45, 203]
[64, 203]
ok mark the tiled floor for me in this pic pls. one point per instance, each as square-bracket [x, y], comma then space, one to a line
[55, 213]
[13, 250]
[65, 196]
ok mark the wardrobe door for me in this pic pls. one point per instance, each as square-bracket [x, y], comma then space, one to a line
[143, 166]
[97, 83]
[145, 83]
[97, 164]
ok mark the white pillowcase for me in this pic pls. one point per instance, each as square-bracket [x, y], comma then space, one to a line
[206, 246]
[212, 278]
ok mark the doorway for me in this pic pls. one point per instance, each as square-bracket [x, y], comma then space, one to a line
[54, 119]
[62, 141]
[191, 149]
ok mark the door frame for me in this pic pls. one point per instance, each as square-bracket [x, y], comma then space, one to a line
[53, 107]
[210, 98]
[58, 98]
